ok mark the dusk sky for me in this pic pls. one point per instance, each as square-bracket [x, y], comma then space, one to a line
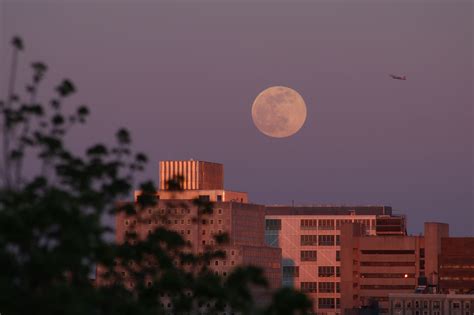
[182, 76]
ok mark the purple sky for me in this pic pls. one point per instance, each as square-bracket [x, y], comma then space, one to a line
[182, 76]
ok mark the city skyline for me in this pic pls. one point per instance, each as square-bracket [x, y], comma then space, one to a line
[183, 78]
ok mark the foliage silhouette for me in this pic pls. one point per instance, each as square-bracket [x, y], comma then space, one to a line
[52, 234]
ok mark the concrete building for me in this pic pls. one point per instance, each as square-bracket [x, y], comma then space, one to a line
[374, 266]
[431, 304]
[310, 241]
[456, 265]
[231, 214]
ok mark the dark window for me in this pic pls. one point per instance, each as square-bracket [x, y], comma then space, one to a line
[309, 240]
[326, 303]
[326, 287]
[422, 264]
[338, 255]
[422, 253]
[326, 271]
[338, 271]
[338, 240]
[308, 255]
[219, 197]
[387, 263]
[273, 224]
[326, 240]
[387, 287]
[204, 198]
[326, 224]
[307, 224]
[309, 287]
[388, 252]
[387, 275]
[291, 271]
[338, 287]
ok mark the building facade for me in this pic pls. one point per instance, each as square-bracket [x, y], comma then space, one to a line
[431, 304]
[231, 213]
[309, 238]
[456, 265]
[374, 266]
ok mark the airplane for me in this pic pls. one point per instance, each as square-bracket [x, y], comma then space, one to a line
[398, 77]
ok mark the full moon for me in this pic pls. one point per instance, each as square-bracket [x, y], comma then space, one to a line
[279, 112]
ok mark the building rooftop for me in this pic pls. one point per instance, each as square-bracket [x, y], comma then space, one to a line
[328, 210]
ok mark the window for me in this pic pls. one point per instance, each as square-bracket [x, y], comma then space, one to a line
[338, 271]
[308, 255]
[291, 271]
[338, 240]
[204, 198]
[326, 271]
[306, 224]
[338, 287]
[273, 224]
[126, 222]
[388, 252]
[387, 263]
[338, 255]
[325, 303]
[422, 264]
[219, 197]
[219, 211]
[326, 224]
[309, 240]
[309, 287]
[326, 240]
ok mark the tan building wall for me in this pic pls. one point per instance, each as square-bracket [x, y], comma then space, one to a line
[310, 241]
[244, 224]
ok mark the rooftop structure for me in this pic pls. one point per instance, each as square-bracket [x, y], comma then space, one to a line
[197, 175]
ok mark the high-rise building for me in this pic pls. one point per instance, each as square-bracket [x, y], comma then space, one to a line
[231, 213]
[311, 247]
[374, 266]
